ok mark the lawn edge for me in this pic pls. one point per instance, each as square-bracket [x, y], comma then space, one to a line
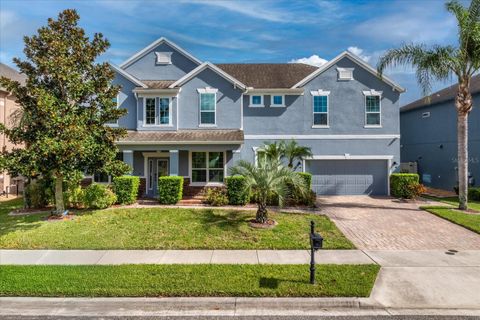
[429, 208]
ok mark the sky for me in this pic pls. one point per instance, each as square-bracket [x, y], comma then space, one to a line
[222, 31]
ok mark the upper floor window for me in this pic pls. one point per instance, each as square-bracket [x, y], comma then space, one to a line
[157, 114]
[277, 101]
[163, 57]
[320, 108]
[114, 122]
[256, 101]
[208, 106]
[345, 73]
[373, 108]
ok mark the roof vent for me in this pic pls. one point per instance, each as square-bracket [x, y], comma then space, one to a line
[163, 57]
[345, 73]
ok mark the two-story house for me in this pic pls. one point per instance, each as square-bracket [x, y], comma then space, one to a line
[196, 119]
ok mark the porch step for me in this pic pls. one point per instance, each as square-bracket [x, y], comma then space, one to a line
[191, 201]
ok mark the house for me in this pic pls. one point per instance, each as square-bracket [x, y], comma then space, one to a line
[8, 108]
[197, 119]
[429, 137]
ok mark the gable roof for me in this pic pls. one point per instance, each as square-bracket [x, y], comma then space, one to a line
[202, 67]
[445, 94]
[154, 44]
[128, 76]
[12, 74]
[268, 75]
[354, 58]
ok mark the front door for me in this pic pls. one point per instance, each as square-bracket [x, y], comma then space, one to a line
[157, 167]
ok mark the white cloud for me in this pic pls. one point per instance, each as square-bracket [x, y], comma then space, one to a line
[359, 52]
[313, 60]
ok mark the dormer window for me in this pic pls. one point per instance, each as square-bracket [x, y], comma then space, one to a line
[345, 73]
[163, 57]
[256, 101]
[277, 101]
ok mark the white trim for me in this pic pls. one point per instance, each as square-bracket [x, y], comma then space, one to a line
[127, 151]
[128, 76]
[157, 112]
[202, 67]
[142, 143]
[321, 136]
[173, 151]
[340, 70]
[159, 55]
[273, 105]
[157, 154]
[241, 112]
[350, 157]
[252, 105]
[155, 92]
[320, 92]
[373, 93]
[207, 91]
[354, 58]
[267, 91]
[154, 44]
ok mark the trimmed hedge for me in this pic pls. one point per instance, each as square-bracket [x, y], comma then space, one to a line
[99, 196]
[308, 179]
[170, 189]
[474, 194]
[401, 184]
[126, 189]
[237, 191]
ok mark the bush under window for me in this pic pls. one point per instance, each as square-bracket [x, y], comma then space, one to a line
[237, 191]
[216, 197]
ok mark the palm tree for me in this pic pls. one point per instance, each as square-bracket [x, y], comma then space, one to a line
[266, 178]
[272, 151]
[293, 151]
[442, 62]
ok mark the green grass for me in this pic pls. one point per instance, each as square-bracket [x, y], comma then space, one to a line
[474, 205]
[469, 221]
[163, 228]
[187, 280]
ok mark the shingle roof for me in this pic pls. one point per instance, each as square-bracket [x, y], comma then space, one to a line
[208, 136]
[268, 75]
[442, 95]
[158, 84]
[12, 74]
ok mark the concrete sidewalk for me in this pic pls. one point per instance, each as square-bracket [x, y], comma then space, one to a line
[116, 257]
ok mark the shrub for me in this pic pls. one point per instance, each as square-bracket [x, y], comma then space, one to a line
[126, 189]
[216, 197]
[99, 196]
[414, 190]
[271, 201]
[37, 194]
[297, 198]
[170, 189]
[74, 197]
[401, 184]
[474, 194]
[308, 179]
[237, 191]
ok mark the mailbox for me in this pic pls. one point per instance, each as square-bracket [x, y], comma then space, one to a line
[316, 241]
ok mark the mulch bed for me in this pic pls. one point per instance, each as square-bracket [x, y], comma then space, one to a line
[268, 225]
[29, 211]
[55, 218]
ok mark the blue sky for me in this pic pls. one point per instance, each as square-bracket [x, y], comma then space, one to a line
[246, 31]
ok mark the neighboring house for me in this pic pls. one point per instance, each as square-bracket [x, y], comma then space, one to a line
[197, 119]
[8, 108]
[429, 137]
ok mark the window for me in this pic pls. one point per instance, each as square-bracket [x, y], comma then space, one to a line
[115, 101]
[163, 57]
[150, 112]
[207, 108]
[277, 101]
[345, 73]
[207, 167]
[426, 114]
[256, 101]
[372, 110]
[320, 108]
[101, 178]
[164, 110]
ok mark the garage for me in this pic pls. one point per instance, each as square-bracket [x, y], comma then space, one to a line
[348, 177]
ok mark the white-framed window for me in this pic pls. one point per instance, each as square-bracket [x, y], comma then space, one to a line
[373, 108]
[320, 102]
[277, 100]
[345, 73]
[207, 167]
[163, 57]
[102, 178]
[158, 111]
[116, 101]
[208, 106]
[426, 114]
[256, 100]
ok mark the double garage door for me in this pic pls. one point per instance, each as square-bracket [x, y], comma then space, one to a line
[348, 177]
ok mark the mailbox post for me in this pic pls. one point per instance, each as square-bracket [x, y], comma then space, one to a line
[316, 242]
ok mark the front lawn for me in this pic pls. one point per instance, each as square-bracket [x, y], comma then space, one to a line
[467, 220]
[474, 205]
[187, 280]
[162, 228]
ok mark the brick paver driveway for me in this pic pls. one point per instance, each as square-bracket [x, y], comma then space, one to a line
[376, 223]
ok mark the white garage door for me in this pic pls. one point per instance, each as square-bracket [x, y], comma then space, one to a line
[348, 177]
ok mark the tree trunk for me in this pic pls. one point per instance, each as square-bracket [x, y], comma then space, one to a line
[463, 102]
[262, 213]
[59, 206]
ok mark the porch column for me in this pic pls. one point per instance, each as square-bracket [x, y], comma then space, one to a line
[174, 162]
[128, 158]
